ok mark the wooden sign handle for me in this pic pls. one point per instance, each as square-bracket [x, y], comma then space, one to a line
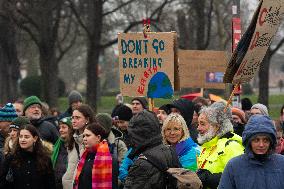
[231, 96]
[151, 104]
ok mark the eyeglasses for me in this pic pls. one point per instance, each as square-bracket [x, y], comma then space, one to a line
[174, 130]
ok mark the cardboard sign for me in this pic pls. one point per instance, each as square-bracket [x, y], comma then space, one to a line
[202, 69]
[269, 15]
[146, 65]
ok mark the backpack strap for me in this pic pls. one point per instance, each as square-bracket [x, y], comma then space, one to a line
[77, 149]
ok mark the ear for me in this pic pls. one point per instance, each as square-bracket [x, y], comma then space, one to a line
[99, 137]
[35, 138]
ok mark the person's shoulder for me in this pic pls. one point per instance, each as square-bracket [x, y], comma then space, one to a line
[278, 157]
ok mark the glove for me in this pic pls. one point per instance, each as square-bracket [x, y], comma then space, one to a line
[208, 179]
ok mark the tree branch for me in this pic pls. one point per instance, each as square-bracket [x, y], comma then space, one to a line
[72, 6]
[209, 25]
[29, 19]
[119, 7]
[272, 51]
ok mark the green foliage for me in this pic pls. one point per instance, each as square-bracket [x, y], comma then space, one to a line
[32, 85]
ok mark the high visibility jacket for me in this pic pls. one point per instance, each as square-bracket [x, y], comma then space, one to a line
[216, 153]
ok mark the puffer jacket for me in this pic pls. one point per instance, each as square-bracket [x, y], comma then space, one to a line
[145, 175]
[48, 132]
[250, 172]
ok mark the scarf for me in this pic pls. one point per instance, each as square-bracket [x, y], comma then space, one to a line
[55, 152]
[102, 167]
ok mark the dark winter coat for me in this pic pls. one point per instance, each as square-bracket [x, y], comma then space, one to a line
[47, 131]
[68, 113]
[250, 171]
[26, 176]
[2, 142]
[145, 135]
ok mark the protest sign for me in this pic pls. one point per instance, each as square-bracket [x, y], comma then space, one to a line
[202, 69]
[146, 65]
[246, 59]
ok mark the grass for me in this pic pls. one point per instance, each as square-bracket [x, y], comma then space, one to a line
[107, 103]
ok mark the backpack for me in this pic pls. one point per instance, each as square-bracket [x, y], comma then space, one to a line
[176, 178]
[169, 182]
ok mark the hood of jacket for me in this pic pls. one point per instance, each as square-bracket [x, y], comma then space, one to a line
[258, 124]
[143, 127]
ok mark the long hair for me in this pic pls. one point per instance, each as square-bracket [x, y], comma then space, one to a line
[87, 112]
[39, 151]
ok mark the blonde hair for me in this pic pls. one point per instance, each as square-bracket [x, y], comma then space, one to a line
[177, 118]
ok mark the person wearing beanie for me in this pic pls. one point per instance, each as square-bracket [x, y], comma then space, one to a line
[259, 167]
[59, 155]
[139, 104]
[154, 157]
[239, 120]
[15, 125]
[116, 140]
[163, 113]
[7, 115]
[33, 110]
[124, 114]
[75, 99]
[117, 147]
[259, 109]
[219, 143]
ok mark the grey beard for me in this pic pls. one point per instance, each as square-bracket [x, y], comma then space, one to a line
[206, 137]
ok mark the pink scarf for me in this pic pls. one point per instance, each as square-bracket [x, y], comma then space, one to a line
[102, 167]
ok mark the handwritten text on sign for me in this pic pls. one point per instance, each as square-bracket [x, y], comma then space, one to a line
[269, 19]
[141, 58]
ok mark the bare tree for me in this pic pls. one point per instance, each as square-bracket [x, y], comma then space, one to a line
[9, 63]
[263, 73]
[93, 22]
[41, 20]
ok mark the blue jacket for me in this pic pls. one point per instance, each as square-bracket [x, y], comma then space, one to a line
[246, 171]
[125, 165]
[187, 152]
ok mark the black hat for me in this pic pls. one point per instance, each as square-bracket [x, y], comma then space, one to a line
[166, 108]
[142, 100]
[124, 113]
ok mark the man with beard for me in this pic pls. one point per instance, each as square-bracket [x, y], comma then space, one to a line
[33, 110]
[219, 143]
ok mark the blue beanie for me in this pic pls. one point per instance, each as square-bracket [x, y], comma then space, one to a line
[8, 113]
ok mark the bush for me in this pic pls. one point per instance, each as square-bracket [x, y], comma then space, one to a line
[32, 85]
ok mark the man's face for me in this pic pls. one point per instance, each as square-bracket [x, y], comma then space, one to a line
[260, 144]
[34, 112]
[206, 131]
[162, 115]
[4, 127]
[136, 107]
[236, 119]
[75, 105]
[19, 108]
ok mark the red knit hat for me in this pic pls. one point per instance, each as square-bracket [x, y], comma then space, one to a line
[240, 113]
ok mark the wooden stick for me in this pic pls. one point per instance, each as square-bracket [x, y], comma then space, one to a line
[151, 104]
[231, 96]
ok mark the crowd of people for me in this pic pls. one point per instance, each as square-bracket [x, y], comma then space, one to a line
[212, 145]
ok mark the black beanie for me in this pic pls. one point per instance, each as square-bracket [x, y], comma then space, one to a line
[124, 113]
[166, 108]
[74, 96]
[142, 100]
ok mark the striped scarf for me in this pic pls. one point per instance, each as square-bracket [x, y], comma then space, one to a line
[102, 167]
